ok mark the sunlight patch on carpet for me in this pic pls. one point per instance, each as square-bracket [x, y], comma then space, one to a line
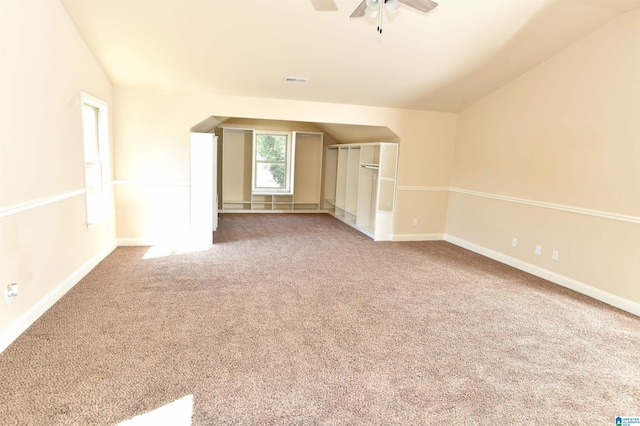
[176, 413]
[166, 250]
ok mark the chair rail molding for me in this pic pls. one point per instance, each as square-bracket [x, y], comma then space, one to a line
[423, 188]
[552, 206]
[39, 202]
[139, 182]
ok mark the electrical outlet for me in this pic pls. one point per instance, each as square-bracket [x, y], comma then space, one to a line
[416, 222]
[514, 241]
[554, 255]
[538, 249]
[12, 291]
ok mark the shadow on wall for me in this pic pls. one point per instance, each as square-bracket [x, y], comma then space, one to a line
[341, 133]
[511, 60]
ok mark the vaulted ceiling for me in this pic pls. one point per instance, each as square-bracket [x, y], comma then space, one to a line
[443, 60]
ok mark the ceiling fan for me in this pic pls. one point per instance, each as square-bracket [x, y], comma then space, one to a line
[376, 8]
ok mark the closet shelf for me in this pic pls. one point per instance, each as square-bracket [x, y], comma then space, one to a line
[370, 166]
[355, 190]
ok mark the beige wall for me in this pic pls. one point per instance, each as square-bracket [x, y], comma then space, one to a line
[152, 135]
[45, 65]
[566, 133]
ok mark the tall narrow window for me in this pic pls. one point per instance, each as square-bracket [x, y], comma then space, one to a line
[96, 158]
[272, 163]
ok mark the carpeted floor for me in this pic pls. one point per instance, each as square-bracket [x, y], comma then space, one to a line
[299, 319]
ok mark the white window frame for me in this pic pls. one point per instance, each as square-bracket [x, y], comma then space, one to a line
[289, 165]
[100, 207]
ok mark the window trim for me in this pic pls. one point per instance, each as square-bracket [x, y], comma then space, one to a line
[97, 213]
[289, 164]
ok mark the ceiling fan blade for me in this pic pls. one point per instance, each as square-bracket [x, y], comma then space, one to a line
[324, 5]
[359, 12]
[421, 5]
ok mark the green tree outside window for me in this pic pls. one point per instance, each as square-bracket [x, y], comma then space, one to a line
[271, 160]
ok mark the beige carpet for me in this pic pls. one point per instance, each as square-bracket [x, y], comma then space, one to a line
[299, 319]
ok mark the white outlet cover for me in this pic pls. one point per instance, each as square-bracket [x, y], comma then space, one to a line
[514, 241]
[554, 255]
[538, 249]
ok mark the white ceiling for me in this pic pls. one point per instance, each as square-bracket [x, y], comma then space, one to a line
[444, 60]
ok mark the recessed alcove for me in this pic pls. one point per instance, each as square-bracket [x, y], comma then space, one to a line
[235, 165]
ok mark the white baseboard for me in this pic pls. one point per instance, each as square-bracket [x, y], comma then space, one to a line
[11, 333]
[417, 237]
[580, 287]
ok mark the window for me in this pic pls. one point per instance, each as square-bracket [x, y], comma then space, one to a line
[96, 158]
[272, 163]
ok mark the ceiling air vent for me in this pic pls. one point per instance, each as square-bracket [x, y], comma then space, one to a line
[296, 80]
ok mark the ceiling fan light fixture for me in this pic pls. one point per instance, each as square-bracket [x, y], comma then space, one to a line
[391, 6]
[373, 6]
[376, 8]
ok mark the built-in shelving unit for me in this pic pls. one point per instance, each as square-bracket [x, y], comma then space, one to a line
[360, 186]
[237, 169]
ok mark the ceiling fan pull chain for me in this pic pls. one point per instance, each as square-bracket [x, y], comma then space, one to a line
[381, 12]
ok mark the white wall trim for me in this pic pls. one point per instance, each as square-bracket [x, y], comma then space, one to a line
[19, 208]
[417, 237]
[19, 326]
[423, 188]
[561, 207]
[152, 182]
[580, 287]
[553, 206]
